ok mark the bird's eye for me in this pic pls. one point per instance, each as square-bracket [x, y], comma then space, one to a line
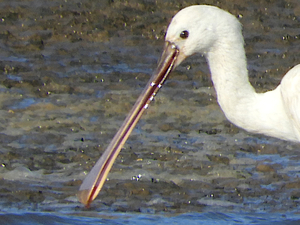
[184, 34]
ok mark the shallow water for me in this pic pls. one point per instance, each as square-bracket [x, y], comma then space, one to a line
[70, 73]
[144, 219]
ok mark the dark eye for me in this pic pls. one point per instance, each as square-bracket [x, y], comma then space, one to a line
[184, 34]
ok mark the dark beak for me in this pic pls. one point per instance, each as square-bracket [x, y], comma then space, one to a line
[94, 181]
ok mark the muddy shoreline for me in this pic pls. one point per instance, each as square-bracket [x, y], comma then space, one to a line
[70, 72]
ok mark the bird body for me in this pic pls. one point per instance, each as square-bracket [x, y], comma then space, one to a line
[216, 34]
[263, 113]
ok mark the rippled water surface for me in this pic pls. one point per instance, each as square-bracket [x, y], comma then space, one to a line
[70, 72]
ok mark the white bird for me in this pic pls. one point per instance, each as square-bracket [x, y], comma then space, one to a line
[217, 35]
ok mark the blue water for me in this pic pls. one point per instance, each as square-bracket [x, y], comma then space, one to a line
[209, 218]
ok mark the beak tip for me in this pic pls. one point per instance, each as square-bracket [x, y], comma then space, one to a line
[84, 197]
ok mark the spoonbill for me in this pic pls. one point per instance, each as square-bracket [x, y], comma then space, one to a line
[216, 34]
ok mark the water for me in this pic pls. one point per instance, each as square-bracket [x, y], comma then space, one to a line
[209, 218]
[70, 73]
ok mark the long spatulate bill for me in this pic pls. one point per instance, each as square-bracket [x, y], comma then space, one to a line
[94, 181]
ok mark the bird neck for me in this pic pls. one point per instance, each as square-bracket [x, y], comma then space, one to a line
[257, 113]
[228, 66]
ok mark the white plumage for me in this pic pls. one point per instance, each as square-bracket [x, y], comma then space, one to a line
[217, 34]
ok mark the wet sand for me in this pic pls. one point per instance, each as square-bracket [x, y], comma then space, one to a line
[71, 70]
